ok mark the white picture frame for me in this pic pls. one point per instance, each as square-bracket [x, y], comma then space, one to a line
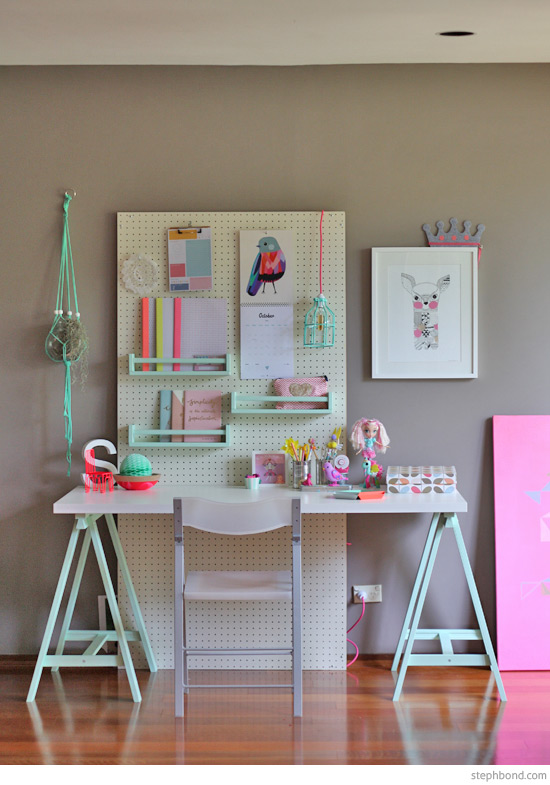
[424, 313]
[274, 475]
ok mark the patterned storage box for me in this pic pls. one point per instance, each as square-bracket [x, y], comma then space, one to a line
[304, 386]
[421, 479]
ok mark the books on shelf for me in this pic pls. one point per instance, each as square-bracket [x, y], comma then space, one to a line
[202, 412]
[187, 328]
[165, 413]
[193, 410]
[177, 414]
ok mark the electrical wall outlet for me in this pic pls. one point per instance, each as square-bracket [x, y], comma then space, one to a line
[372, 593]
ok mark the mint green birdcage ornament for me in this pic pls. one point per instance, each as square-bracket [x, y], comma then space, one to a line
[67, 341]
[319, 323]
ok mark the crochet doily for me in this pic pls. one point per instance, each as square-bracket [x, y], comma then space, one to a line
[139, 273]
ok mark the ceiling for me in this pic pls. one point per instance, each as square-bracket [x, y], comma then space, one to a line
[271, 32]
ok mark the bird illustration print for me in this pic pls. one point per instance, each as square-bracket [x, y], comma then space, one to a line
[269, 266]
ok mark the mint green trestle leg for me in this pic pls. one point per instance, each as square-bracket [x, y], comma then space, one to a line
[123, 647]
[410, 632]
[58, 596]
[72, 597]
[97, 638]
[132, 596]
[412, 602]
[477, 607]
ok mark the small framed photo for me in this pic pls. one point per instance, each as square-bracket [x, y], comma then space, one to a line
[424, 313]
[271, 467]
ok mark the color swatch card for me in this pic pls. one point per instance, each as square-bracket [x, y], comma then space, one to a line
[266, 266]
[267, 341]
[190, 259]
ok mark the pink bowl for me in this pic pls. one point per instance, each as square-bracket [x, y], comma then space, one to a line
[136, 483]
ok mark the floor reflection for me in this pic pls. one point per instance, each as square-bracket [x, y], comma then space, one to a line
[446, 716]
[455, 730]
[57, 723]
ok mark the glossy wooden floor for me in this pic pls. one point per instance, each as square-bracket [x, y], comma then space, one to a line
[445, 716]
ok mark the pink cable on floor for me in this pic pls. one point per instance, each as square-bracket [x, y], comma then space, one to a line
[350, 629]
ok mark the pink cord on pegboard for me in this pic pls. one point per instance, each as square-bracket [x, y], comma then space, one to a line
[321, 254]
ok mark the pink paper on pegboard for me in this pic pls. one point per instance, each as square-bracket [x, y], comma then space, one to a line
[522, 540]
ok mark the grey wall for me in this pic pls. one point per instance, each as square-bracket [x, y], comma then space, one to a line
[392, 146]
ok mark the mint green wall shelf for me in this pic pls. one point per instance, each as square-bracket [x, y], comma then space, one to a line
[224, 362]
[243, 404]
[137, 437]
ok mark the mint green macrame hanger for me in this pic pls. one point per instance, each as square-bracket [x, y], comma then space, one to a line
[67, 341]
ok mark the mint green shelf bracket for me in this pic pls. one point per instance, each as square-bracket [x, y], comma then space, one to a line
[240, 404]
[224, 362]
[137, 437]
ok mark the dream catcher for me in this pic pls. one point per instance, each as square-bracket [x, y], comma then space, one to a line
[139, 274]
[67, 341]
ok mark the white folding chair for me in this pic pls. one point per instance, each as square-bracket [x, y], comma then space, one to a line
[237, 519]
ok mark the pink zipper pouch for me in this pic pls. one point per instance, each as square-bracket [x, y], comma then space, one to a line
[305, 386]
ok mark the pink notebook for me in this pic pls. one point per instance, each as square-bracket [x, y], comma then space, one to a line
[202, 412]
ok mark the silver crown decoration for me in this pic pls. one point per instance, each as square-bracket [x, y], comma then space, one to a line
[454, 235]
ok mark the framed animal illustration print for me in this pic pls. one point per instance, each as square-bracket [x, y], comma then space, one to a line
[424, 313]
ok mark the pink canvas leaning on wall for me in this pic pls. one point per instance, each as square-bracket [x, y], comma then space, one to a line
[522, 540]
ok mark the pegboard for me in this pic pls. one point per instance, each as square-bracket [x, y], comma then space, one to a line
[148, 540]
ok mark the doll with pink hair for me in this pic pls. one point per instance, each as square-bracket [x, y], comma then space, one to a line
[367, 436]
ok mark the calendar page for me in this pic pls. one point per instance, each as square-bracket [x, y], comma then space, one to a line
[267, 341]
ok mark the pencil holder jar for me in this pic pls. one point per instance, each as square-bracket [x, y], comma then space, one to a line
[320, 476]
[300, 473]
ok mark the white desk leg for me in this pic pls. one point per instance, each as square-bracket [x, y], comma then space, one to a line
[58, 596]
[419, 607]
[416, 589]
[115, 613]
[132, 596]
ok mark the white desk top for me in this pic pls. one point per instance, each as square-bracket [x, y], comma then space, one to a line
[160, 500]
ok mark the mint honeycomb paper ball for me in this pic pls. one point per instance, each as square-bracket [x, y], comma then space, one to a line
[136, 466]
